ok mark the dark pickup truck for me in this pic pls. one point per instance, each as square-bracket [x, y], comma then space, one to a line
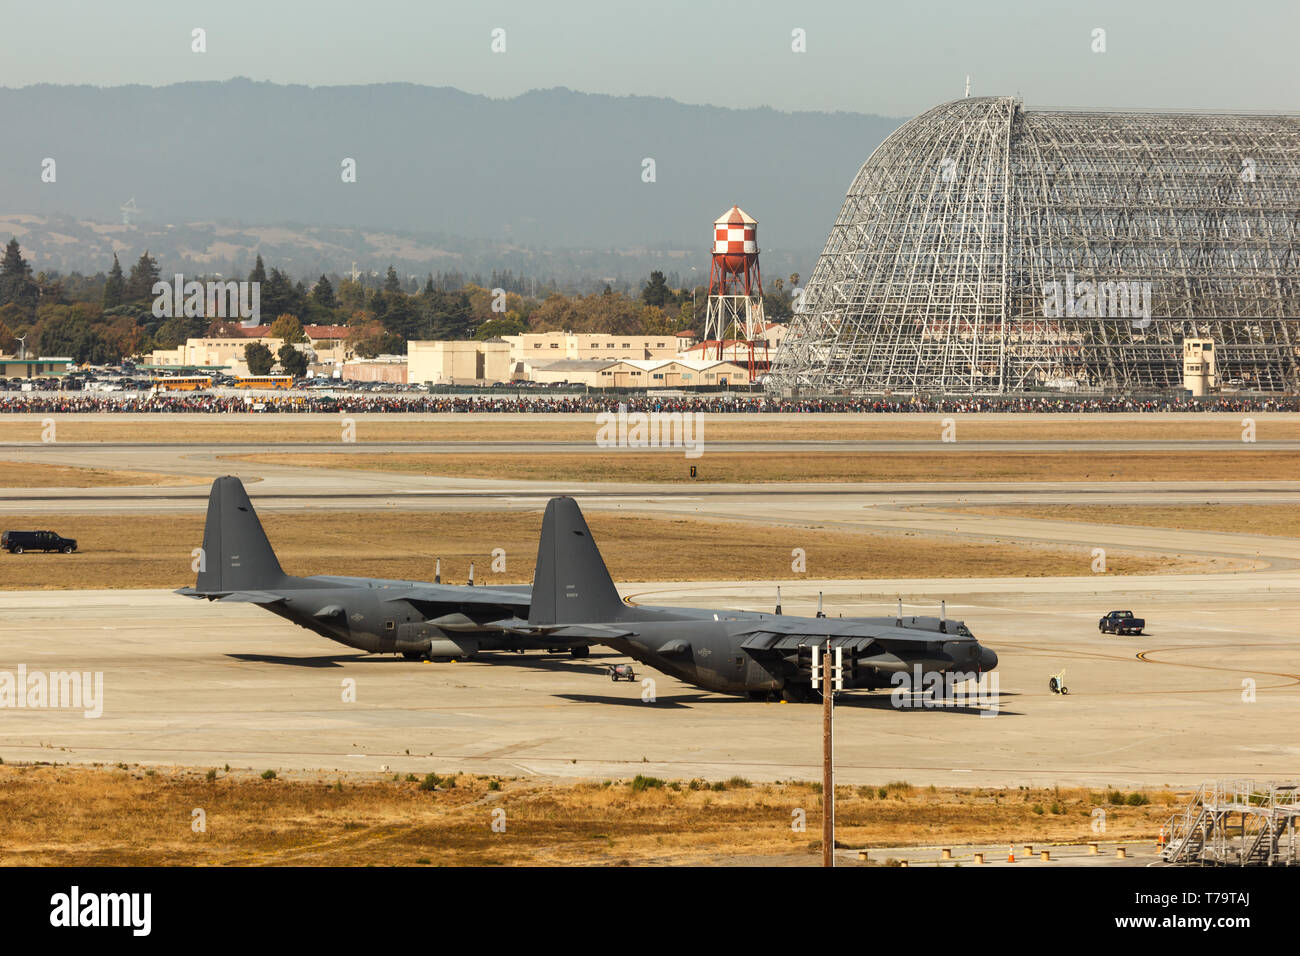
[1121, 622]
[16, 542]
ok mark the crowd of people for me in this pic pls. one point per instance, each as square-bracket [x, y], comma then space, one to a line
[591, 404]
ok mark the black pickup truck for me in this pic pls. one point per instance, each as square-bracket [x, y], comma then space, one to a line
[16, 542]
[1121, 622]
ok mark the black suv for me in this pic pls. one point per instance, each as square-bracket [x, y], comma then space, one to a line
[16, 542]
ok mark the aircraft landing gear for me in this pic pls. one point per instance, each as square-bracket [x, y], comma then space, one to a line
[580, 652]
[413, 655]
[799, 694]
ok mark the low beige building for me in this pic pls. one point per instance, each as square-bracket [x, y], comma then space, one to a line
[391, 369]
[13, 367]
[580, 346]
[458, 363]
[229, 351]
[672, 373]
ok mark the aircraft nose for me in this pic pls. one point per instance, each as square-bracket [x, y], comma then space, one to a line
[988, 659]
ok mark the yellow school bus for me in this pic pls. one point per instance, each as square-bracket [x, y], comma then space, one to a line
[263, 381]
[182, 383]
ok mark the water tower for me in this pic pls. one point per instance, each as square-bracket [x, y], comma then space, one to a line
[735, 284]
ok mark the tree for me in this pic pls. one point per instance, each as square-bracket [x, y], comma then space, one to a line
[140, 283]
[351, 296]
[259, 271]
[259, 359]
[114, 286]
[176, 330]
[322, 293]
[16, 285]
[287, 328]
[278, 295]
[291, 360]
[656, 291]
[509, 324]
[66, 330]
[391, 282]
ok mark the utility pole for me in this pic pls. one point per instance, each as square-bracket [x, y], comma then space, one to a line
[828, 761]
[828, 676]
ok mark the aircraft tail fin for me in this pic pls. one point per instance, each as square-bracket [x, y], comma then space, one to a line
[571, 584]
[236, 554]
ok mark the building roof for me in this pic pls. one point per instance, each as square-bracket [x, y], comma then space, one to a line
[571, 365]
[650, 365]
[735, 216]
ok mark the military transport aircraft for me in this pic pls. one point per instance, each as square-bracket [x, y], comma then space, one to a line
[732, 652]
[412, 618]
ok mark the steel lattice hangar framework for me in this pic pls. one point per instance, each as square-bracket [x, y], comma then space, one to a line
[983, 248]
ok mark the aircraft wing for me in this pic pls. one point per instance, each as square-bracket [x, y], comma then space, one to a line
[462, 608]
[882, 646]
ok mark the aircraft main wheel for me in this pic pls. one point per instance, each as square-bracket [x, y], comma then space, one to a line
[413, 655]
[579, 651]
[795, 694]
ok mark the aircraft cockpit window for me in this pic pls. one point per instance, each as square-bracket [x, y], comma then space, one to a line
[964, 631]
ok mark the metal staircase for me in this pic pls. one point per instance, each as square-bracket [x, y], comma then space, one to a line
[1234, 823]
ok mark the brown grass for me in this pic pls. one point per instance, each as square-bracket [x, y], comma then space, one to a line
[22, 474]
[137, 551]
[1275, 520]
[78, 816]
[581, 427]
[787, 466]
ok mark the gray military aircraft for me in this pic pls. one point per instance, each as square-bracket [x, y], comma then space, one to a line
[732, 652]
[412, 618]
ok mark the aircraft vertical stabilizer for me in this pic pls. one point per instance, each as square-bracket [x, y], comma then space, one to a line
[236, 554]
[571, 584]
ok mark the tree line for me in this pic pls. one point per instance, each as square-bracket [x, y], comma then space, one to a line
[110, 316]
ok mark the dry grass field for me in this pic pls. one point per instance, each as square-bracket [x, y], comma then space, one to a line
[1275, 520]
[21, 474]
[582, 427]
[132, 816]
[139, 551]
[753, 467]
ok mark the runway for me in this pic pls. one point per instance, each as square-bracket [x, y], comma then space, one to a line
[208, 685]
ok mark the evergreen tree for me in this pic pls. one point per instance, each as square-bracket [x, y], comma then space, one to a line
[259, 271]
[114, 286]
[322, 293]
[391, 282]
[656, 291]
[16, 285]
[140, 283]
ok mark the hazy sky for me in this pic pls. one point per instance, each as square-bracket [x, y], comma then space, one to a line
[895, 58]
